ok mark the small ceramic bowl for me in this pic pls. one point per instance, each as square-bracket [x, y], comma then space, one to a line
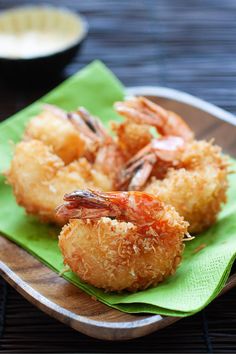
[37, 40]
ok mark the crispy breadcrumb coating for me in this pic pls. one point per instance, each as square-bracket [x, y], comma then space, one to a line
[197, 189]
[131, 137]
[117, 255]
[40, 179]
[57, 132]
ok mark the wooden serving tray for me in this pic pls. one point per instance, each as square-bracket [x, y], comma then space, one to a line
[67, 303]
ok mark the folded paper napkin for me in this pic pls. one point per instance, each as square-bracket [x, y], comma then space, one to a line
[201, 275]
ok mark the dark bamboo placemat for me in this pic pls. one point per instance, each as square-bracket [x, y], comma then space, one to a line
[186, 44]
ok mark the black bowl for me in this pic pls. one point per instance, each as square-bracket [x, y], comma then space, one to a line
[40, 66]
[44, 65]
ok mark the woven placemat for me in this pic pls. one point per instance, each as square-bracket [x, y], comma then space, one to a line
[188, 45]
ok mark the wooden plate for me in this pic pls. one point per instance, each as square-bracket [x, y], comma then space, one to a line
[62, 300]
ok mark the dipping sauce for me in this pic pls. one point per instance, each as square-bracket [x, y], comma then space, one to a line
[36, 31]
[32, 44]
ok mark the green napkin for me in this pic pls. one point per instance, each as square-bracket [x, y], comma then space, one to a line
[201, 275]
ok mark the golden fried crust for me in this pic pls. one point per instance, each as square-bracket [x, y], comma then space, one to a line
[113, 255]
[198, 189]
[40, 179]
[131, 137]
[58, 133]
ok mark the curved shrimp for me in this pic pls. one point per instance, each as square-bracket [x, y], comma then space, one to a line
[44, 169]
[191, 176]
[40, 179]
[74, 135]
[140, 110]
[121, 240]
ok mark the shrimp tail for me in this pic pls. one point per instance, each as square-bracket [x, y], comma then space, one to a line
[135, 175]
[143, 111]
[87, 204]
[91, 127]
[163, 152]
[93, 123]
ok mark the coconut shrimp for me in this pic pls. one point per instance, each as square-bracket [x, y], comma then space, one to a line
[70, 135]
[142, 111]
[77, 134]
[140, 115]
[121, 240]
[43, 170]
[191, 176]
[40, 179]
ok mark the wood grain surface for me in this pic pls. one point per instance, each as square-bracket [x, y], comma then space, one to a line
[70, 305]
[67, 303]
[188, 45]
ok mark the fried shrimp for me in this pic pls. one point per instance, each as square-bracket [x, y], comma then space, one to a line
[191, 176]
[197, 188]
[62, 152]
[74, 135]
[142, 111]
[54, 129]
[121, 240]
[40, 179]
[187, 174]
[77, 134]
[140, 115]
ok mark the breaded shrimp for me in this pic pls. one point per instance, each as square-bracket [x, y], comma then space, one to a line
[142, 111]
[40, 179]
[188, 174]
[54, 129]
[191, 176]
[77, 134]
[197, 188]
[121, 240]
[72, 151]
[140, 115]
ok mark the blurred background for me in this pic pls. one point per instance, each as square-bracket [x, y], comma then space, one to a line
[188, 45]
